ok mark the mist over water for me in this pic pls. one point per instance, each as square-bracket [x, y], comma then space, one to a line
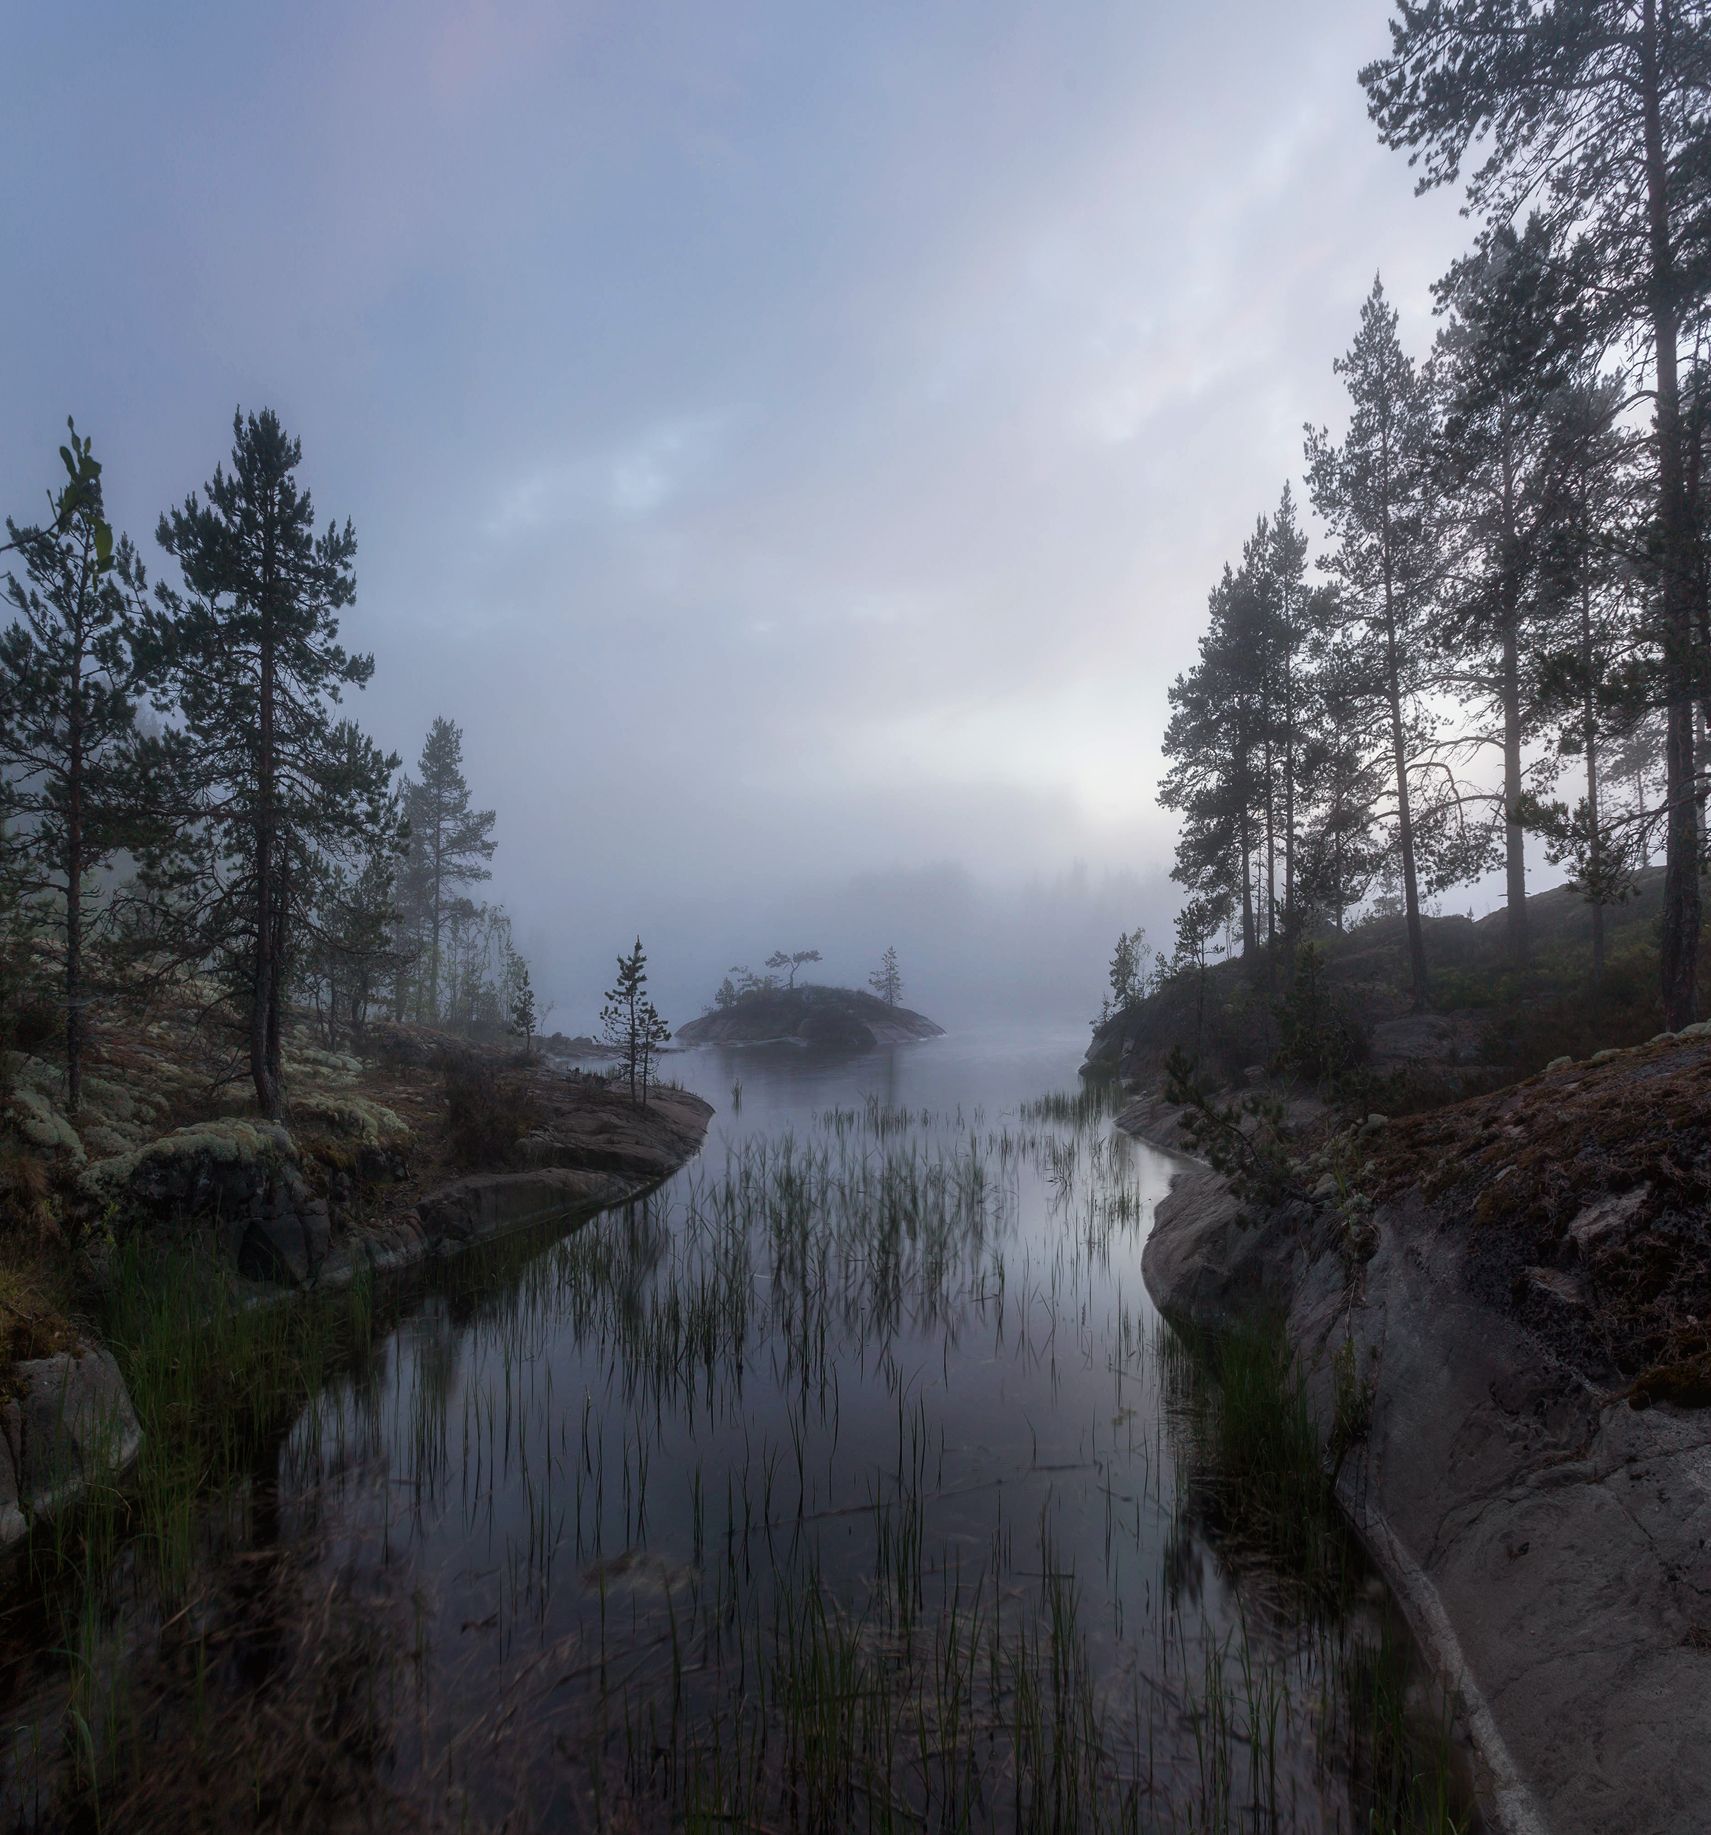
[974, 951]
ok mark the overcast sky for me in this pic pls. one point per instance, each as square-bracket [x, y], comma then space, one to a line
[794, 441]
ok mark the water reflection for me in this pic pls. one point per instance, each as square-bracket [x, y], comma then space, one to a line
[842, 1482]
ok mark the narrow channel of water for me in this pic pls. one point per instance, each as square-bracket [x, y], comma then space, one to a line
[848, 1481]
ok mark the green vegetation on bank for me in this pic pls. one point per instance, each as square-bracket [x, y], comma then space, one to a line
[1334, 1016]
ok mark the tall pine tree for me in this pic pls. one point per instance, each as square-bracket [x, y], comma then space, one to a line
[73, 767]
[1497, 370]
[1595, 112]
[252, 646]
[1374, 492]
[451, 843]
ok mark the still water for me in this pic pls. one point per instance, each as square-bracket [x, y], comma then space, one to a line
[849, 1480]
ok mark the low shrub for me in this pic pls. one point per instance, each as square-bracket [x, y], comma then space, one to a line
[488, 1110]
[1322, 1035]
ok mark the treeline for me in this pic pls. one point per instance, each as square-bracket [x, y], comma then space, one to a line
[1507, 641]
[741, 982]
[183, 797]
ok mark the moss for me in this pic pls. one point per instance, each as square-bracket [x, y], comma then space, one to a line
[40, 1123]
[303, 1062]
[102, 1143]
[353, 1118]
[228, 1141]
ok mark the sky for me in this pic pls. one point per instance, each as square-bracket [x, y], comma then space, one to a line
[793, 441]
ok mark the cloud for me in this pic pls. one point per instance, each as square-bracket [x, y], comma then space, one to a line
[792, 442]
[632, 481]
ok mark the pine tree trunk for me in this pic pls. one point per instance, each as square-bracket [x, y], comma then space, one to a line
[261, 990]
[1596, 858]
[263, 1022]
[1514, 835]
[1410, 877]
[1404, 813]
[276, 984]
[1247, 900]
[433, 1014]
[1589, 735]
[74, 890]
[1289, 786]
[1270, 851]
[1681, 914]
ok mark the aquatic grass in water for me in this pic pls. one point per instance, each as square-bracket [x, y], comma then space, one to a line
[849, 1483]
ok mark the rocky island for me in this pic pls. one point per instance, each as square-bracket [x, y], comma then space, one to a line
[829, 1019]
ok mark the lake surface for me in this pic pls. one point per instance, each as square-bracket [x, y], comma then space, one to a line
[850, 1480]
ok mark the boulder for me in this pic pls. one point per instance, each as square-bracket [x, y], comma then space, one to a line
[68, 1422]
[287, 1235]
[245, 1177]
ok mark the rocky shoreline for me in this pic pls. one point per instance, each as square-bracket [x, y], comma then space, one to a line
[1545, 1530]
[66, 1420]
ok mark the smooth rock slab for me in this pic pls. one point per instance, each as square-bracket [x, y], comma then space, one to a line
[493, 1204]
[1551, 1546]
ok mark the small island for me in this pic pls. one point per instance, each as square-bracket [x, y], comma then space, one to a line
[828, 1019]
[770, 1009]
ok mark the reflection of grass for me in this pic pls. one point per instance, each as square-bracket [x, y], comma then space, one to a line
[213, 1381]
[1254, 1450]
[1256, 1475]
[679, 1601]
[1096, 1100]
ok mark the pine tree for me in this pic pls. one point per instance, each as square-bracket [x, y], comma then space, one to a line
[1594, 112]
[73, 766]
[252, 648]
[451, 842]
[631, 1024]
[1341, 849]
[1374, 492]
[1127, 974]
[1290, 609]
[654, 1033]
[352, 937]
[1216, 744]
[887, 980]
[1198, 925]
[791, 960]
[520, 1009]
[1498, 369]
[1592, 649]
[477, 956]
